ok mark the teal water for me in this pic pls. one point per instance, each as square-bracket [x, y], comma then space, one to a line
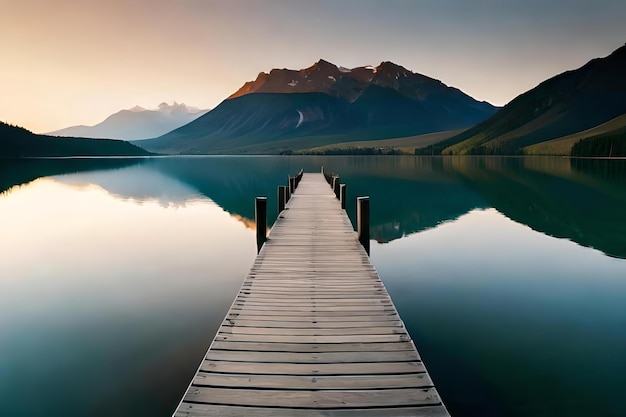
[510, 275]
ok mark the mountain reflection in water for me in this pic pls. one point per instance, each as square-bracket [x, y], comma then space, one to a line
[581, 200]
[125, 268]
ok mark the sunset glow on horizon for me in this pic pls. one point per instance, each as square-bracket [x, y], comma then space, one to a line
[67, 63]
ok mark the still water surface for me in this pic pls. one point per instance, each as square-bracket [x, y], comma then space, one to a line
[510, 274]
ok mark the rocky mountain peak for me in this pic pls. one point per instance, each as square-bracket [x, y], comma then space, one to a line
[347, 83]
[323, 66]
[388, 68]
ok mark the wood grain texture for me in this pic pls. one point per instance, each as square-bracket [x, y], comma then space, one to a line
[321, 357]
[312, 331]
[318, 382]
[210, 410]
[312, 347]
[314, 399]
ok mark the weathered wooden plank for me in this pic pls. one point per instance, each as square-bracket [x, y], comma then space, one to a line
[205, 410]
[383, 368]
[290, 283]
[417, 380]
[287, 318]
[338, 265]
[282, 287]
[307, 296]
[305, 300]
[309, 279]
[294, 265]
[320, 260]
[266, 291]
[316, 357]
[308, 313]
[314, 278]
[313, 305]
[314, 399]
[313, 300]
[276, 331]
[313, 339]
[373, 306]
[334, 309]
[312, 347]
[261, 322]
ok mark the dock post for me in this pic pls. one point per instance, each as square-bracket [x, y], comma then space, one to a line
[281, 198]
[342, 194]
[336, 186]
[292, 185]
[299, 177]
[363, 222]
[260, 216]
[328, 177]
[287, 193]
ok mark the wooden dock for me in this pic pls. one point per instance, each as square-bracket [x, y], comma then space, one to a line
[312, 331]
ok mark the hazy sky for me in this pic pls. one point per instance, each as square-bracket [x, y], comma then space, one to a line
[67, 62]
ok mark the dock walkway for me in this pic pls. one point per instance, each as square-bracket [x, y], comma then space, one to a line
[312, 331]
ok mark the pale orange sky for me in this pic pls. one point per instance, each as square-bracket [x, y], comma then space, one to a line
[69, 62]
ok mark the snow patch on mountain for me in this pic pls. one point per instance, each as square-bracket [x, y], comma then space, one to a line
[301, 119]
[176, 108]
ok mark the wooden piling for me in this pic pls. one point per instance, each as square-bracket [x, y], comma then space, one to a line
[328, 177]
[342, 194]
[281, 198]
[260, 216]
[336, 186]
[363, 221]
[298, 178]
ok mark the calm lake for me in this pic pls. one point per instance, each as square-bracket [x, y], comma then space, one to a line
[509, 273]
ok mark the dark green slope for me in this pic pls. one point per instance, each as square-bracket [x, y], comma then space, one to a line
[568, 103]
[16, 142]
[245, 121]
[611, 144]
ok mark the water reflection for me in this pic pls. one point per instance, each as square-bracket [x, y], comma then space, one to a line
[118, 272]
[500, 312]
[559, 197]
[22, 171]
[137, 183]
[107, 303]
[582, 200]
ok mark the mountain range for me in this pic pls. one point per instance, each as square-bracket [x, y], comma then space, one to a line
[286, 110]
[136, 123]
[329, 109]
[580, 112]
